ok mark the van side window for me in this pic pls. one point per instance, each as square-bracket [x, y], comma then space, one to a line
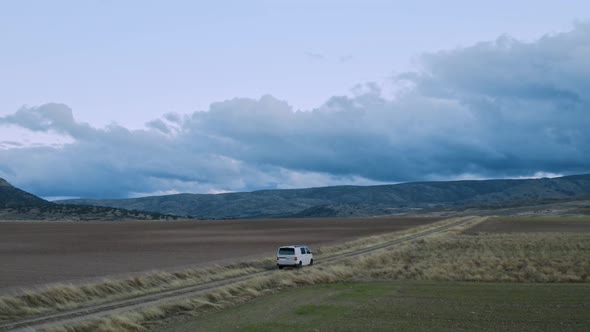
[302, 251]
[307, 251]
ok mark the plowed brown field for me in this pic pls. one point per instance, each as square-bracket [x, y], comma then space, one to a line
[33, 253]
[532, 225]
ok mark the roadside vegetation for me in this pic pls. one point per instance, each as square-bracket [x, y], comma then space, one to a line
[65, 297]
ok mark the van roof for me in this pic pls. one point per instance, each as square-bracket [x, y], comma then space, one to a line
[294, 246]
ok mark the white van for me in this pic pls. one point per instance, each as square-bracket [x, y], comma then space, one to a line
[294, 256]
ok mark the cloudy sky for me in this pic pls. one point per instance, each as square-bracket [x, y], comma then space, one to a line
[126, 99]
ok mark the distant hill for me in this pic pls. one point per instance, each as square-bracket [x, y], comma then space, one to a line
[352, 200]
[11, 197]
[16, 204]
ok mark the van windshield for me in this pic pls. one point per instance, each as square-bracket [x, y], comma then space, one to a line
[286, 251]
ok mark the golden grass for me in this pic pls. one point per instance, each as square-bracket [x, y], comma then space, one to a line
[519, 257]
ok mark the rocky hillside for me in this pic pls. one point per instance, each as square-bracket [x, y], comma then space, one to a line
[352, 200]
[11, 197]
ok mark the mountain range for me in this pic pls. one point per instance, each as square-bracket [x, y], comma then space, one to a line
[16, 204]
[343, 201]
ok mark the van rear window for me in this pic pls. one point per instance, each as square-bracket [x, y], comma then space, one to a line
[286, 251]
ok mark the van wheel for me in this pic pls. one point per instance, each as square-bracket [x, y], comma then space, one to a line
[300, 264]
[311, 262]
[280, 267]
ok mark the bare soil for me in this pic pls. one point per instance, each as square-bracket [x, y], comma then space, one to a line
[36, 253]
[532, 225]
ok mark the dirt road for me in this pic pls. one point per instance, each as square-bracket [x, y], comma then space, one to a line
[33, 253]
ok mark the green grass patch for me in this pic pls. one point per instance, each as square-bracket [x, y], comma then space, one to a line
[318, 310]
[409, 306]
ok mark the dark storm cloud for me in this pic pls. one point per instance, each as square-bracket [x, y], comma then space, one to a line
[495, 109]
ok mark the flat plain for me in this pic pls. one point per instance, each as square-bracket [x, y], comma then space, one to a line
[37, 253]
[510, 274]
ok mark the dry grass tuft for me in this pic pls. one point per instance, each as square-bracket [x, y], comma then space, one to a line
[64, 297]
